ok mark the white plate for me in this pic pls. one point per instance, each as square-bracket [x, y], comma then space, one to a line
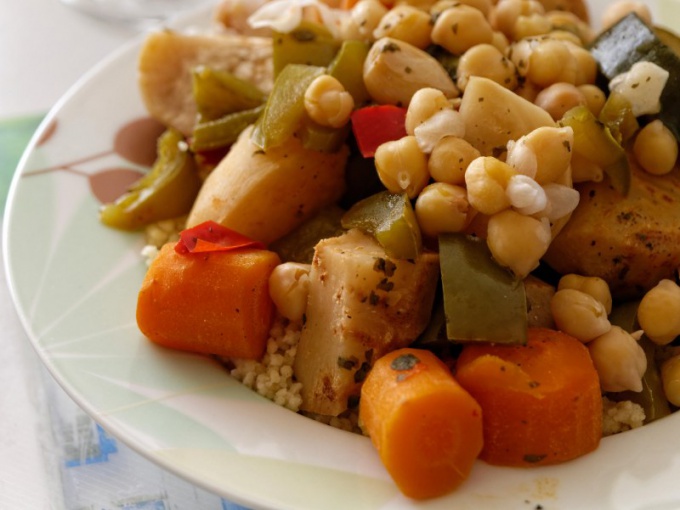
[75, 284]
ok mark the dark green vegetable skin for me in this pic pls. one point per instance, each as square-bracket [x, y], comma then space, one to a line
[631, 41]
[483, 302]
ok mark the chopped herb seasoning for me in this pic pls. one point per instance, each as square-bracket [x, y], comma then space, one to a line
[360, 375]
[390, 47]
[373, 298]
[347, 363]
[404, 362]
[385, 285]
[533, 458]
[304, 35]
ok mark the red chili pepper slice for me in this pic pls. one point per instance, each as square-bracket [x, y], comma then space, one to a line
[210, 236]
[375, 125]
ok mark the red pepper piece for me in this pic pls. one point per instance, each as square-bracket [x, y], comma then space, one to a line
[375, 125]
[210, 236]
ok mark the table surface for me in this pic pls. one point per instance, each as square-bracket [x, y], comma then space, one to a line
[52, 455]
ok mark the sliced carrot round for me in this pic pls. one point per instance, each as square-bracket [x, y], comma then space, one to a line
[541, 401]
[426, 428]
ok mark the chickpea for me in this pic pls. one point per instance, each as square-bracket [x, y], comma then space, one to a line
[565, 35]
[562, 200]
[486, 179]
[327, 102]
[618, 10]
[569, 22]
[579, 314]
[528, 90]
[543, 154]
[551, 62]
[450, 158]
[289, 288]
[531, 26]
[559, 98]
[366, 16]
[489, 62]
[586, 65]
[619, 360]
[659, 312]
[500, 40]
[517, 241]
[461, 27]
[447, 122]
[526, 195]
[593, 285]
[424, 104]
[670, 378]
[594, 98]
[504, 15]
[401, 166]
[442, 208]
[484, 6]
[656, 148]
[406, 23]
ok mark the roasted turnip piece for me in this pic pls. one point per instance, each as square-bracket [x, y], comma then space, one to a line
[632, 242]
[362, 304]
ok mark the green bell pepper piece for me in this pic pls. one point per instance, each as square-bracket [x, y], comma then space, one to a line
[322, 138]
[284, 111]
[594, 141]
[390, 218]
[617, 115]
[224, 131]
[310, 44]
[167, 191]
[348, 69]
[218, 93]
[298, 246]
[483, 302]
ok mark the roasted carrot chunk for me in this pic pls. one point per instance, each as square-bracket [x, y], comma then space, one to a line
[211, 303]
[426, 428]
[541, 401]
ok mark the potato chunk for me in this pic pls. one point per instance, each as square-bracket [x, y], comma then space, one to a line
[494, 115]
[293, 182]
[362, 304]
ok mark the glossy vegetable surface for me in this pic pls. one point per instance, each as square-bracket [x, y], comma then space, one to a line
[594, 141]
[483, 302]
[210, 303]
[389, 217]
[425, 426]
[167, 191]
[541, 402]
[285, 109]
[374, 125]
